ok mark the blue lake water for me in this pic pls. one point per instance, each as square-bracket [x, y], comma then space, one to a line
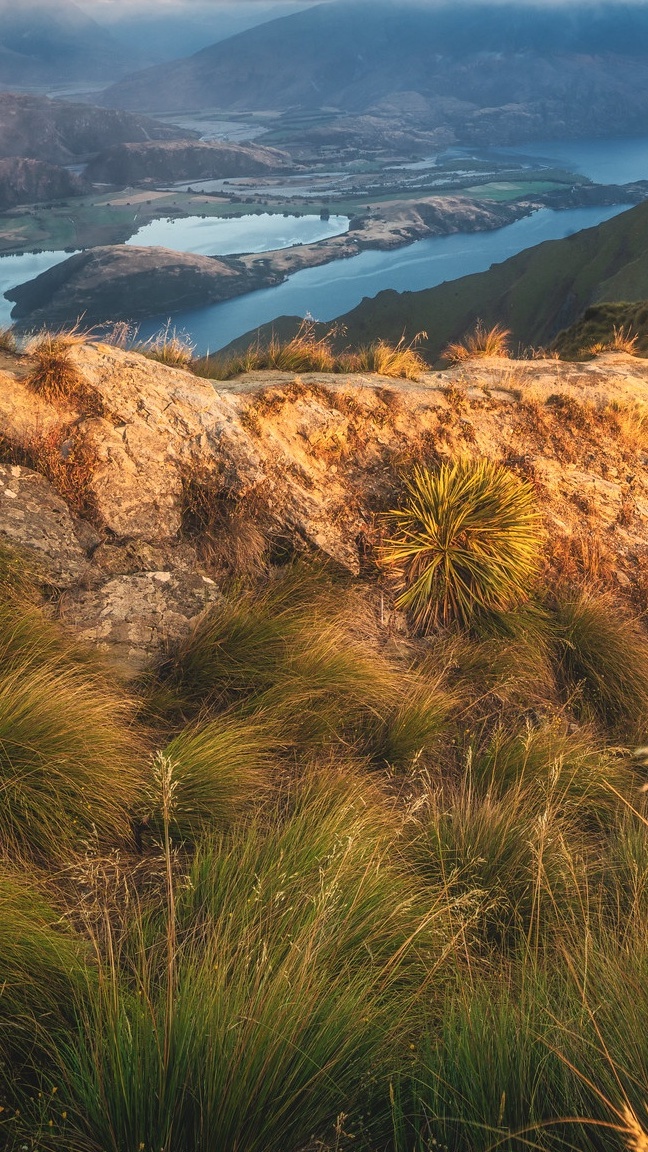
[335, 288]
[18, 269]
[619, 161]
[326, 292]
[220, 236]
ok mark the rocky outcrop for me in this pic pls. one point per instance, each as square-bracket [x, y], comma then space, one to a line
[133, 616]
[61, 132]
[123, 282]
[181, 467]
[33, 517]
[129, 164]
[33, 181]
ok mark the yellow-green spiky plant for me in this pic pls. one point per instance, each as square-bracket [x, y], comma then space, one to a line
[466, 539]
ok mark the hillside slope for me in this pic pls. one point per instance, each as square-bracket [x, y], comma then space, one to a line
[174, 160]
[60, 132]
[536, 293]
[492, 72]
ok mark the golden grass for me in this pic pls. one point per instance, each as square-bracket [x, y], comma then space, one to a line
[168, 347]
[635, 1134]
[66, 459]
[55, 377]
[8, 341]
[226, 532]
[623, 340]
[308, 352]
[481, 341]
[400, 360]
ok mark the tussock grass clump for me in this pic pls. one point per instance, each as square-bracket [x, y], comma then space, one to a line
[70, 767]
[289, 938]
[305, 352]
[629, 422]
[571, 771]
[308, 352]
[295, 664]
[603, 662]
[401, 360]
[227, 531]
[466, 540]
[55, 377]
[42, 968]
[8, 342]
[500, 858]
[168, 347]
[481, 341]
[219, 769]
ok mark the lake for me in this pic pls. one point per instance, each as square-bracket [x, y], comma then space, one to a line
[331, 289]
[328, 291]
[203, 236]
[220, 236]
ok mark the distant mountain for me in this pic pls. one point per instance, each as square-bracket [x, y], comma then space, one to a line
[492, 71]
[167, 33]
[535, 294]
[45, 41]
[60, 132]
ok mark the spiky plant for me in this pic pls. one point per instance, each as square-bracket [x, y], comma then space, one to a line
[466, 540]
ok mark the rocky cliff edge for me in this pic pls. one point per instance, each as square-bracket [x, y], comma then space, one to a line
[139, 497]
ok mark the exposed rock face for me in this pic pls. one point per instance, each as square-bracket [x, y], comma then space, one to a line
[61, 132]
[131, 616]
[123, 282]
[311, 460]
[33, 517]
[32, 181]
[127, 164]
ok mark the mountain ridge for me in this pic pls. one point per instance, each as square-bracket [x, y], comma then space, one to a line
[352, 57]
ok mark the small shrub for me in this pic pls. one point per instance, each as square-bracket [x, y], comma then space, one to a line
[466, 540]
[481, 341]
